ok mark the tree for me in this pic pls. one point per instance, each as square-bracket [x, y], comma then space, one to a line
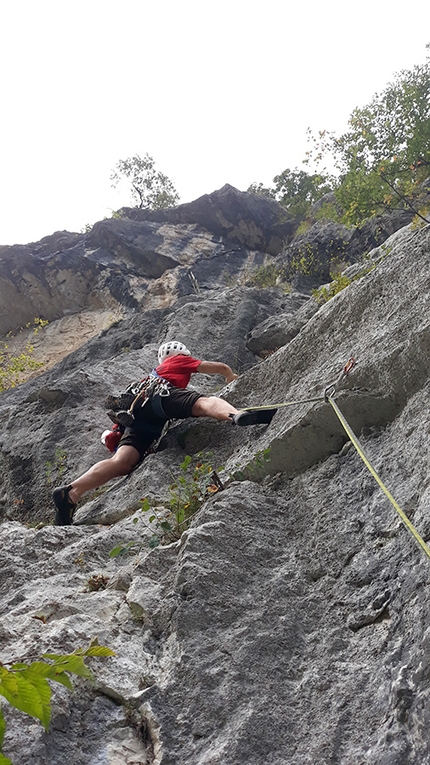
[296, 190]
[384, 156]
[264, 191]
[150, 189]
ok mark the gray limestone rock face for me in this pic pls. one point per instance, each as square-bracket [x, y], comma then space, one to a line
[133, 264]
[288, 623]
[377, 230]
[314, 253]
[256, 221]
[279, 329]
[36, 284]
[136, 244]
[64, 411]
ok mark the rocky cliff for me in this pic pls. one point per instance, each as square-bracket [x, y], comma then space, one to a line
[288, 623]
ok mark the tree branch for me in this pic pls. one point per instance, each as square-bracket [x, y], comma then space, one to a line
[403, 198]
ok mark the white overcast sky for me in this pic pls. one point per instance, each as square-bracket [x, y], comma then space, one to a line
[216, 92]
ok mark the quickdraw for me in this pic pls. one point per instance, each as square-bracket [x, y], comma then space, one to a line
[330, 390]
[150, 387]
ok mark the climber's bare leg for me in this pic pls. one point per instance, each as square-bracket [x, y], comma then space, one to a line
[121, 463]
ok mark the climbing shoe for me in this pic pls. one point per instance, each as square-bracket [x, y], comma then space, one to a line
[256, 417]
[65, 506]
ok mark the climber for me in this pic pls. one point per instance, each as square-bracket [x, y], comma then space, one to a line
[146, 423]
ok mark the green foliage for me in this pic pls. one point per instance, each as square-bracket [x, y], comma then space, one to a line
[150, 189]
[189, 491]
[296, 190]
[384, 156]
[13, 367]
[306, 260]
[340, 281]
[418, 221]
[303, 228]
[97, 582]
[254, 469]
[264, 191]
[26, 686]
[324, 294]
[57, 467]
[360, 195]
[261, 457]
[269, 275]
[186, 495]
[380, 161]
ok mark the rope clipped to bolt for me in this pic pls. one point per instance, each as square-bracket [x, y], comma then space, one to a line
[329, 393]
[330, 390]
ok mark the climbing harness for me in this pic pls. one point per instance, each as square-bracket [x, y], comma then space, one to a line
[120, 409]
[153, 386]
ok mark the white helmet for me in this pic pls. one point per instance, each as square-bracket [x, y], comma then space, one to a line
[172, 349]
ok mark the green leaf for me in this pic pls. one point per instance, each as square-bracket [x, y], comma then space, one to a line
[5, 760]
[30, 696]
[116, 551]
[2, 728]
[72, 662]
[62, 678]
[51, 672]
[36, 674]
[165, 525]
[154, 541]
[99, 650]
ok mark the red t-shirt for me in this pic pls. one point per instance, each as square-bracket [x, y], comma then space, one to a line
[178, 369]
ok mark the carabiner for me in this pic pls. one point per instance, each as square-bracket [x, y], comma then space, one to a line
[350, 364]
[329, 391]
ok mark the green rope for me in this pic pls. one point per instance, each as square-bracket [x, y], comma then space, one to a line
[360, 451]
[284, 403]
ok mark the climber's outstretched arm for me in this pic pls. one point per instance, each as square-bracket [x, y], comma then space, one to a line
[217, 368]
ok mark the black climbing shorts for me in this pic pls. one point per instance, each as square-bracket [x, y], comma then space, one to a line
[141, 436]
[178, 405]
[151, 418]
